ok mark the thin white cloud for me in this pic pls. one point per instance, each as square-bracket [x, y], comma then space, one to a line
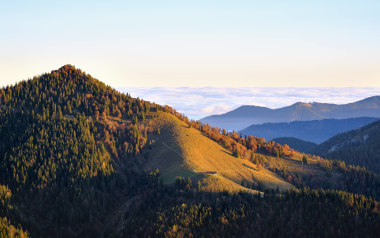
[215, 109]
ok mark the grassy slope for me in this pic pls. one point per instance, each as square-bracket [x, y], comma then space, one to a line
[183, 151]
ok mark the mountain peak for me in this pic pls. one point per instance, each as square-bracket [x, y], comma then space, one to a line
[302, 104]
[68, 69]
[248, 107]
[372, 99]
[67, 66]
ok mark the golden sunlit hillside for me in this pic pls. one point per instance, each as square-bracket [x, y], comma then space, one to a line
[183, 151]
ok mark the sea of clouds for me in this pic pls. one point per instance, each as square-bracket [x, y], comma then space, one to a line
[197, 103]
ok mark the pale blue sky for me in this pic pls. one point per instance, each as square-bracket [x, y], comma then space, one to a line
[195, 43]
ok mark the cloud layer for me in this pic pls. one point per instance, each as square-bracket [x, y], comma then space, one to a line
[197, 103]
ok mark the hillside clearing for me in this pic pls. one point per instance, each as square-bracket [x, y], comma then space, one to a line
[183, 151]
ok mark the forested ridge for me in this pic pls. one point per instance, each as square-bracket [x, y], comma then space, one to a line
[303, 213]
[56, 128]
[315, 131]
[360, 147]
[60, 147]
[71, 153]
[295, 143]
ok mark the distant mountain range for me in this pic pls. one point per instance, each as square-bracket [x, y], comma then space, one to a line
[359, 147]
[245, 116]
[315, 131]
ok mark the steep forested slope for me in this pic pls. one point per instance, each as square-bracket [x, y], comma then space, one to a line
[61, 146]
[7, 229]
[359, 147]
